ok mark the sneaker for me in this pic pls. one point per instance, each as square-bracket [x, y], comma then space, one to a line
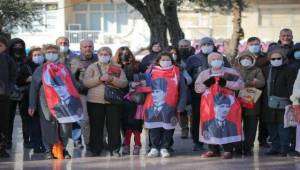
[3, 154]
[153, 153]
[136, 150]
[227, 155]
[66, 154]
[126, 150]
[165, 153]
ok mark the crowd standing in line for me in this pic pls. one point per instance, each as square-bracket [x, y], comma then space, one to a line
[100, 100]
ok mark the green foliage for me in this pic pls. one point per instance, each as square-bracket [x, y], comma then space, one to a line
[221, 6]
[17, 13]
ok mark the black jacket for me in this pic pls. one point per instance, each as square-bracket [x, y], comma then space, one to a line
[282, 81]
[7, 74]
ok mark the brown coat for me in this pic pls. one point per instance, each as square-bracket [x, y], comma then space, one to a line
[96, 87]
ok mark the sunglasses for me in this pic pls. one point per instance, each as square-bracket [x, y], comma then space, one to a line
[276, 58]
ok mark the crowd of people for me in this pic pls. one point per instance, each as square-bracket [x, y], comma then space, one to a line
[100, 100]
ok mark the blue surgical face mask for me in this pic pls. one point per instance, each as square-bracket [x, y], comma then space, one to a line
[38, 59]
[63, 49]
[216, 63]
[297, 55]
[51, 57]
[254, 49]
[207, 49]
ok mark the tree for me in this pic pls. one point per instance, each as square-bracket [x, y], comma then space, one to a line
[158, 21]
[227, 6]
[17, 13]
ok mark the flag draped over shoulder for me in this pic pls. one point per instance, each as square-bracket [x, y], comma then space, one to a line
[62, 98]
[161, 104]
[220, 118]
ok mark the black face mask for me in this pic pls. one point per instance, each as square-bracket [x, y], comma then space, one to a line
[125, 58]
[18, 51]
[184, 53]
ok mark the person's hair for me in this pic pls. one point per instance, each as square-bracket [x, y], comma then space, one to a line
[251, 39]
[170, 48]
[4, 40]
[117, 58]
[285, 30]
[62, 37]
[184, 41]
[221, 99]
[164, 53]
[49, 46]
[107, 49]
[33, 49]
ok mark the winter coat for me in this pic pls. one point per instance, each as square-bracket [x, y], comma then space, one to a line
[195, 65]
[7, 74]
[96, 87]
[147, 61]
[249, 75]
[295, 97]
[282, 81]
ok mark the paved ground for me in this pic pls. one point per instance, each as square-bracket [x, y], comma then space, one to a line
[183, 158]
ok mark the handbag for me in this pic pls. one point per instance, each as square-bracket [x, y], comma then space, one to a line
[111, 94]
[275, 102]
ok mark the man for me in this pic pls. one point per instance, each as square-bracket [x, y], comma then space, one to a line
[254, 46]
[185, 51]
[7, 78]
[195, 65]
[78, 67]
[66, 54]
[286, 42]
[220, 127]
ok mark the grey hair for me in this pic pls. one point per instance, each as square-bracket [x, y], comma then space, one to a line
[107, 49]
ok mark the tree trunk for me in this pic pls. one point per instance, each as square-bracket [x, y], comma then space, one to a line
[175, 31]
[151, 11]
[237, 29]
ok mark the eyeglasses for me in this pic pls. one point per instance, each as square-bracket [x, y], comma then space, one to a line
[276, 58]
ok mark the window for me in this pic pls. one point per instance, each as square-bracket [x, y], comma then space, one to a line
[278, 17]
[109, 18]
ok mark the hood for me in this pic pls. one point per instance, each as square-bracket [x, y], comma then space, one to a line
[15, 41]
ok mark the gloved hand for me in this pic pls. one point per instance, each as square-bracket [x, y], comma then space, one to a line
[209, 82]
[222, 82]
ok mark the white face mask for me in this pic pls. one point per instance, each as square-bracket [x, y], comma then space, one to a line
[246, 62]
[276, 63]
[174, 56]
[63, 49]
[51, 57]
[104, 59]
[38, 59]
[165, 64]
[216, 63]
[207, 49]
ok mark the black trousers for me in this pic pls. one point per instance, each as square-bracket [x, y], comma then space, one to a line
[196, 120]
[161, 138]
[23, 107]
[100, 114]
[4, 121]
[249, 127]
[263, 133]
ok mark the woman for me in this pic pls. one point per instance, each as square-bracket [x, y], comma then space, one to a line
[168, 98]
[125, 58]
[280, 80]
[24, 79]
[53, 95]
[253, 78]
[96, 77]
[149, 59]
[229, 79]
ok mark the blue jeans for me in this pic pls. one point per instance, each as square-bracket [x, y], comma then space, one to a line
[279, 136]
